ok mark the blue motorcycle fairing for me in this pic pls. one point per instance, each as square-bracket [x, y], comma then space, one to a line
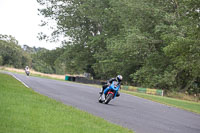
[114, 87]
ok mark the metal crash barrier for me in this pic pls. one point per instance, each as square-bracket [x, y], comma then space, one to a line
[82, 80]
[144, 90]
[130, 88]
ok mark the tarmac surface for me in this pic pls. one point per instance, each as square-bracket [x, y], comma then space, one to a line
[137, 114]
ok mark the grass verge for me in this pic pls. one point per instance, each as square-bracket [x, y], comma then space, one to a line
[22, 110]
[182, 104]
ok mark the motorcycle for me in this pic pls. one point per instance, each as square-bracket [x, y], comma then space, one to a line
[111, 92]
[27, 72]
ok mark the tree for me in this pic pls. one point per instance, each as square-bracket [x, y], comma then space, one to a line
[184, 50]
[149, 42]
[1, 60]
[11, 53]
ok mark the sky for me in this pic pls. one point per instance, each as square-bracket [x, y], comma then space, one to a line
[20, 19]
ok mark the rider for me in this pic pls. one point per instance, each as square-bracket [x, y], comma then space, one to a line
[27, 71]
[26, 68]
[118, 79]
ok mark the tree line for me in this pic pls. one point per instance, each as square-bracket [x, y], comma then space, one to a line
[39, 59]
[152, 43]
[11, 54]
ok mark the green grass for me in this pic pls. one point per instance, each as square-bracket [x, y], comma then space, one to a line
[186, 105]
[24, 111]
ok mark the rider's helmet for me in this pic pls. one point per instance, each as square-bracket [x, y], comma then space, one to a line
[119, 78]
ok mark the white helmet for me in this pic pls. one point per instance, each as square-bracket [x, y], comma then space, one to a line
[119, 78]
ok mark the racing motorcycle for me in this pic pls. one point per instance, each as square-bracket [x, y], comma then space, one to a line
[27, 72]
[111, 92]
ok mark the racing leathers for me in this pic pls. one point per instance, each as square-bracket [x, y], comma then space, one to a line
[109, 82]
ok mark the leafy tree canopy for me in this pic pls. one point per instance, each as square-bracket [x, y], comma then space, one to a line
[152, 43]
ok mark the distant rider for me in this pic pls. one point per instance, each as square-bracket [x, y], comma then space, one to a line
[26, 68]
[109, 82]
[27, 71]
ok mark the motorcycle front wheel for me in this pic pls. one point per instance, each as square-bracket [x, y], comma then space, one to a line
[108, 98]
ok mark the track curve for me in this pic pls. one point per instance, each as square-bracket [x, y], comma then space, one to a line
[140, 115]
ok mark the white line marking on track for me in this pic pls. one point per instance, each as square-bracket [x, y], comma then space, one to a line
[20, 81]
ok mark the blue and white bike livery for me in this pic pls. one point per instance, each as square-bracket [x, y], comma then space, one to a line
[110, 92]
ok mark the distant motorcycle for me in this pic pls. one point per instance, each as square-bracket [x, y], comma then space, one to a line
[111, 92]
[27, 72]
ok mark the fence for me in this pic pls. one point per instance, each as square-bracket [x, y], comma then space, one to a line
[83, 80]
[144, 90]
[131, 88]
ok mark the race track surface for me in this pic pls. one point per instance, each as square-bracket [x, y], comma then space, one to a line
[140, 115]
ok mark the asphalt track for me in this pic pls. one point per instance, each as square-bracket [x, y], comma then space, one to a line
[140, 115]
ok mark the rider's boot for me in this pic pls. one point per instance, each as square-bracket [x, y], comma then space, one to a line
[118, 94]
[103, 97]
[101, 91]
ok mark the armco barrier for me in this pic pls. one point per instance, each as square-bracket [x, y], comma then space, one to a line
[151, 91]
[159, 92]
[125, 87]
[82, 80]
[144, 90]
[131, 88]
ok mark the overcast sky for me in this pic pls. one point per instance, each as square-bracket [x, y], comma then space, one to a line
[19, 18]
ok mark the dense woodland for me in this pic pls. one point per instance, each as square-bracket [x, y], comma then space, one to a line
[152, 43]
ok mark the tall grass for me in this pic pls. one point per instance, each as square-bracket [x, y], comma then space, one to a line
[183, 96]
